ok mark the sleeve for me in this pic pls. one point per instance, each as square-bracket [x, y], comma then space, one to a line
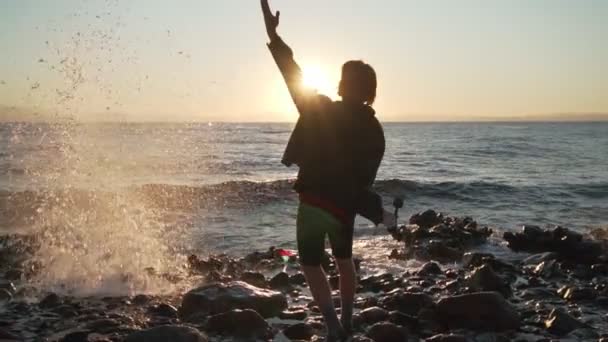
[369, 204]
[305, 99]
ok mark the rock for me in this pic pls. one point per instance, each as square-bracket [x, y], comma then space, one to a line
[50, 301]
[7, 285]
[298, 315]
[407, 302]
[485, 279]
[575, 293]
[297, 279]
[447, 338]
[254, 278]
[373, 315]
[77, 336]
[9, 337]
[442, 251]
[478, 311]
[583, 334]
[548, 269]
[167, 333]
[399, 318]
[243, 323]
[561, 323]
[426, 219]
[163, 310]
[387, 332]
[280, 281]
[5, 295]
[218, 298]
[430, 268]
[536, 259]
[300, 331]
[103, 325]
[141, 299]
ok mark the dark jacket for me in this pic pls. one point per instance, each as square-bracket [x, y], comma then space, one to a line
[338, 147]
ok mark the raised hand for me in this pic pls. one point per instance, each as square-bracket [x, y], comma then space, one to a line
[272, 21]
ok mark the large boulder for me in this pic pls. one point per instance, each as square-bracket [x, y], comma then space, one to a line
[218, 298]
[243, 323]
[485, 311]
[167, 333]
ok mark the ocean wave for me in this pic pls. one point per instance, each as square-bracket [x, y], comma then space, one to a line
[20, 206]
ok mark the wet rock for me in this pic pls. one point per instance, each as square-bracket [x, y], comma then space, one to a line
[300, 331]
[77, 336]
[8, 286]
[566, 243]
[447, 338]
[167, 333]
[242, 323]
[430, 268]
[254, 278]
[575, 293]
[297, 279]
[5, 295]
[485, 279]
[548, 269]
[5, 335]
[387, 332]
[427, 219]
[373, 315]
[399, 318]
[582, 334]
[478, 311]
[407, 302]
[50, 301]
[141, 299]
[561, 323]
[297, 315]
[280, 281]
[218, 298]
[103, 325]
[163, 310]
[536, 259]
[599, 269]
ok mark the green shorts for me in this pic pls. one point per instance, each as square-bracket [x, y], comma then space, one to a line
[313, 225]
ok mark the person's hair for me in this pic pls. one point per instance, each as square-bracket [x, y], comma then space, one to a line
[358, 82]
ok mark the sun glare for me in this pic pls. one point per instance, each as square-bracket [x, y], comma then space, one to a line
[316, 78]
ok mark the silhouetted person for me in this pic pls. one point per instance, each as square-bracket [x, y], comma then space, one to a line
[338, 147]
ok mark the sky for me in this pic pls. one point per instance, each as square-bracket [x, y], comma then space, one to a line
[202, 60]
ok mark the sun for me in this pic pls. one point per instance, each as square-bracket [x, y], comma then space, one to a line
[315, 77]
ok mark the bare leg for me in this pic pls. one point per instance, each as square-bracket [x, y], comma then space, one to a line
[321, 292]
[348, 286]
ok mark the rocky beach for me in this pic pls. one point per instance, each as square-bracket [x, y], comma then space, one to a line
[554, 287]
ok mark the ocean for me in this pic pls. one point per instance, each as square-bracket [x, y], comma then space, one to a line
[110, 199]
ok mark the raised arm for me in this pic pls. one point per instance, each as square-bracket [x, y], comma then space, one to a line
[306, 100]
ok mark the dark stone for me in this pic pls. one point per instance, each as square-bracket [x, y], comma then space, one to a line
[399, 318]
[5, 295]
[280, 281]
[536, 259]
[387, 332]
[239, 323]
[548, 269]
[487, 311]
[103, 325]
[297, 279]
[447, 338]
[407, 302]
[50, 301]
[300, 331]
[163, 310]
[218, 298]
[167, 333]
[77, 336]
[373, 315]
[298, 315]
[5, 335]
[485, 279]
[561, 323]
[575, 293]
[254, 278]
[7, 285]
[430, 268]
[426, 219]
[141, 299]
